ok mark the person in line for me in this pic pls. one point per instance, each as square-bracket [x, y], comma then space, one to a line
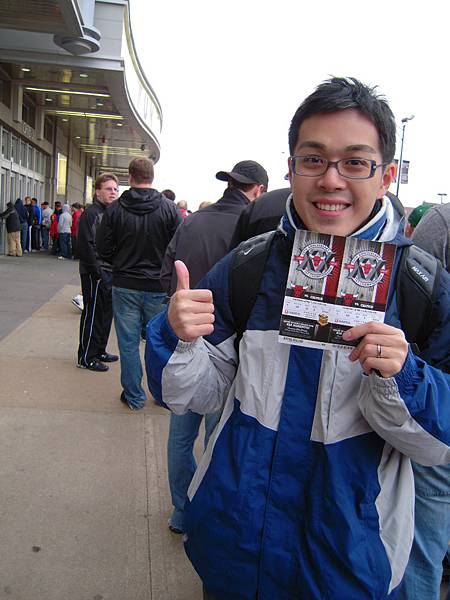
[200, 242]
[23, 217]
[415, 217]
[169, 194]
[306, 487]
[11, 217]
[133, 236]
[183, 208]
[54, 227]
[30, 219]
[96, 281]
[260, 217]
[46, 223]
[36, 226]
[76, 214]
[64, 227]
[432, 484]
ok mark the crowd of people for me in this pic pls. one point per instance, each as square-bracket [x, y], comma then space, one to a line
[34, 227]
[325, 474]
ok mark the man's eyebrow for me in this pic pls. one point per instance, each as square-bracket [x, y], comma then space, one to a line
[352, 148]
[360, 148]
[311, 144]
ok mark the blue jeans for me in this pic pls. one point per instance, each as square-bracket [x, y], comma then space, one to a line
[181, 463]
[132, 310]
[23, 235]
[431, 536]
[45, 233]
[64, 245]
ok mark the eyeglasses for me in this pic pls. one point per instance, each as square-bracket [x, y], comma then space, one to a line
[350, 168]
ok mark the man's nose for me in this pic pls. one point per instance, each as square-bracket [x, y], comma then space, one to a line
[331, 179]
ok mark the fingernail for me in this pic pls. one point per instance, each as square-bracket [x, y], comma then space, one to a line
[347, 335]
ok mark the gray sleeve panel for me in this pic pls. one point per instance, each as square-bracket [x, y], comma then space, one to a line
[198, 376]
[386, 412]
[395, 507]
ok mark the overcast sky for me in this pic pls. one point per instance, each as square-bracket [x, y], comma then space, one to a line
[230, 76]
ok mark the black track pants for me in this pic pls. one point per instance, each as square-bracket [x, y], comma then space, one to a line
[96, 318]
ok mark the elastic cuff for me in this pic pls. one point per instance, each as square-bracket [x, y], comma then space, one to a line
[407, 376]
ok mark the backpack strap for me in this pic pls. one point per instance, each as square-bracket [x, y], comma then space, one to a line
[245, 276]
[417, 283]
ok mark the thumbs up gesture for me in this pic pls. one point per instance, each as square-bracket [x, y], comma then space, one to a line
[191, 312]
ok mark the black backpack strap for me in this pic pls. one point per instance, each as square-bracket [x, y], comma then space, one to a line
[417, 283]
[245, 275]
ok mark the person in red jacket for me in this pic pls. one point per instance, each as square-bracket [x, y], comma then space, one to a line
[76, 214]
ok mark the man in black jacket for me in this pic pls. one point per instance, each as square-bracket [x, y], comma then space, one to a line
[260, 217]
[96, 281]
[201, 241]
[11, 217]
[133, 236]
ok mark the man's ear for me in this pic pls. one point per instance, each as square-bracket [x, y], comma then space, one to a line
[389, 173]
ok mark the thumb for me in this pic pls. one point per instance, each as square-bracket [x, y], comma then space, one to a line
[182, 275]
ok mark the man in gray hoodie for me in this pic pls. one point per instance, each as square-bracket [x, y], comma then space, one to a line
[64, 225]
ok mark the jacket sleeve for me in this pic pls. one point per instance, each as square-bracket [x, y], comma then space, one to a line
[104, 239]
[412, 410]
[194, 376]
[167, 268]
[86, 241]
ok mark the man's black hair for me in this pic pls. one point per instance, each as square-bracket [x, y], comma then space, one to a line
[339, 93]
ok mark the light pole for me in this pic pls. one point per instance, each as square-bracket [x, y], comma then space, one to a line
[442, 195]
[399, 172]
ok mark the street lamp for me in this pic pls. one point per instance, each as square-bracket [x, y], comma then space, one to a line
[399, 172]
[441, 195]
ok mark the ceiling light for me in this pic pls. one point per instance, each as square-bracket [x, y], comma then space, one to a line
[119, 124]
[70, 92]
[64, 120]
[84, 75]
[25, 69]
[77, 137]
[99, 103]
[49, 99]
[72, 113]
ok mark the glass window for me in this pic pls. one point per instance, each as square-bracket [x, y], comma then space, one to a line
[6, 144]
[23, 153]
[88, 194]
[31, 155]
[15, 157]
[62, 175]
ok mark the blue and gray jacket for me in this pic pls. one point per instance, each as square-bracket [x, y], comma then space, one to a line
[305, 490]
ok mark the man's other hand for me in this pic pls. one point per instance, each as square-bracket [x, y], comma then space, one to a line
[381, 347]
[191, 312]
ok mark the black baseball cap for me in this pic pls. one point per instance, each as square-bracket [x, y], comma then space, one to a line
[246, 171]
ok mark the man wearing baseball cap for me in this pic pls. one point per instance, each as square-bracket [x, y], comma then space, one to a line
[200, 242]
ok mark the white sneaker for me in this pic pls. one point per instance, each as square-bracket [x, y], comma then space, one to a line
[61, 258]
[78, 301]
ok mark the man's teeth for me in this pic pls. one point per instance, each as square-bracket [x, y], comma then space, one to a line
[331, 207]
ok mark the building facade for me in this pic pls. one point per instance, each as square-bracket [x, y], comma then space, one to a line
[74, 100]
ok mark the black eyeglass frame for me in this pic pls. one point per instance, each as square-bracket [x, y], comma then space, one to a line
[335, 163]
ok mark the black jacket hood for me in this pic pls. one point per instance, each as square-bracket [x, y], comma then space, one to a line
[140, 201]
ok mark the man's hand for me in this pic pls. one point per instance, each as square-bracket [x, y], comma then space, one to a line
[191, 312]
[382, 347]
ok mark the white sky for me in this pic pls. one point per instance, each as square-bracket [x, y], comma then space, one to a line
[230, 76]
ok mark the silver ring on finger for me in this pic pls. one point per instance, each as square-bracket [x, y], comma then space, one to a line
[378, 351]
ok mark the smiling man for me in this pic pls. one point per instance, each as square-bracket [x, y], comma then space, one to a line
[306, 490]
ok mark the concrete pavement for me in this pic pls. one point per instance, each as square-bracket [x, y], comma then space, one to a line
[84, 499]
